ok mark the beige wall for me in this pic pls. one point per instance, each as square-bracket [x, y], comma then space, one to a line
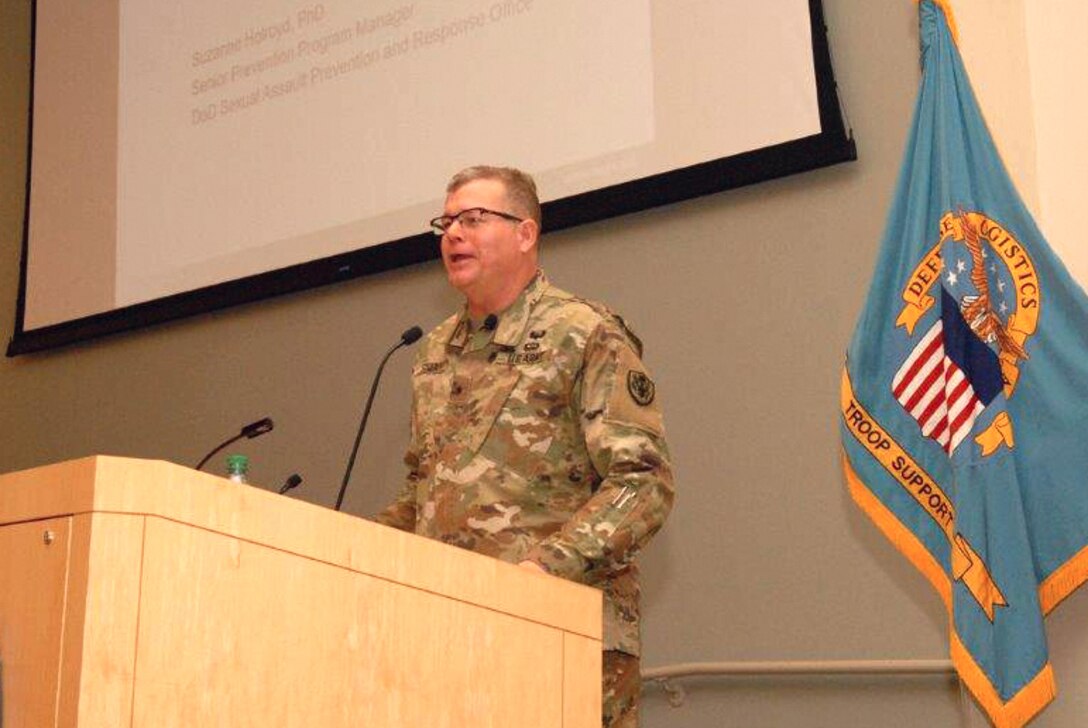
[993, 43]
[1028, 63]
[1058, 62]
[746, 301]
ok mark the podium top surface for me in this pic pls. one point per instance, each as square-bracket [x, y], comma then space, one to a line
[105, 484]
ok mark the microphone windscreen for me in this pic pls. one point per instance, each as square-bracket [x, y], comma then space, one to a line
[255, 429]
[412, 335]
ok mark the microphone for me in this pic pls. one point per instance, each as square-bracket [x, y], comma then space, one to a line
[258, 428]
[409, 337]
[491, 322]
[253, 429]
[293, 481]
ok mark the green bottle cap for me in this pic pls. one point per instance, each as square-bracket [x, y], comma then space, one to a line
[237, 463]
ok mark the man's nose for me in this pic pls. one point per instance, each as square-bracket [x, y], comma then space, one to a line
[455, 230]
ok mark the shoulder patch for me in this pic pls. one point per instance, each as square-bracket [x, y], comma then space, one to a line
[633, 400]
[640, 387]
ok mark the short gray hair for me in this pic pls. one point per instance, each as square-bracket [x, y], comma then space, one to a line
[520, 187]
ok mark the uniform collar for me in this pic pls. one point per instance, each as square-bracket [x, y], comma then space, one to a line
[512, 321]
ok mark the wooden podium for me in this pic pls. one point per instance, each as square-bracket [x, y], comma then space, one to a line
[144, 594]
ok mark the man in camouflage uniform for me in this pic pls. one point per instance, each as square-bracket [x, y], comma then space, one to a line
[536, 433]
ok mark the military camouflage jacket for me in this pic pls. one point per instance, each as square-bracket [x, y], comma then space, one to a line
[540, 439]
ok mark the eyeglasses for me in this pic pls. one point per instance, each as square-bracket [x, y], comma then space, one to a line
[470, 219]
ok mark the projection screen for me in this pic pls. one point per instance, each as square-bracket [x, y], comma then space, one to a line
[190, 156]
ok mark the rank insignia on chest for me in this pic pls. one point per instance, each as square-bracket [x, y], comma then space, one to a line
[641, 388]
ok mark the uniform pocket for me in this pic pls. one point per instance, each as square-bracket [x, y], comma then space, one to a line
[483, 407]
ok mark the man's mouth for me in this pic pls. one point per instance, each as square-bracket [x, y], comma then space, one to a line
[459, 257]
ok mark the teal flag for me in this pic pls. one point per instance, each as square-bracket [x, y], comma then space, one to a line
[965, 395]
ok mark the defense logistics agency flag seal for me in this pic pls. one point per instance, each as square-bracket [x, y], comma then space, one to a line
[965, 395]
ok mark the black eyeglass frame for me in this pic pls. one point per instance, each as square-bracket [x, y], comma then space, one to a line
[442, 223]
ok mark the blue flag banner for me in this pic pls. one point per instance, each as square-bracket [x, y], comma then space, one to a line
[965, 395]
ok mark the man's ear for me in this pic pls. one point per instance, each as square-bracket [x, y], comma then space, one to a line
[528, 232]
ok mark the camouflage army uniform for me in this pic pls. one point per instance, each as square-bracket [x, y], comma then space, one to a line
[541, 439]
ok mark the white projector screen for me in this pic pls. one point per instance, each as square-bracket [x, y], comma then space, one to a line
[189, 156]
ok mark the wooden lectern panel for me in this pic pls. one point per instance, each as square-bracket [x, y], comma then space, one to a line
[33, 575]
[102, 613]
[581, 697]
[221, 638]
[164, 597]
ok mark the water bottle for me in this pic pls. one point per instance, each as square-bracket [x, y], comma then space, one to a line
[237, 468]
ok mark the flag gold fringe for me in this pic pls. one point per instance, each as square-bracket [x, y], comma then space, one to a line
[1064, 581]
[1034, 696]
[1017, 711]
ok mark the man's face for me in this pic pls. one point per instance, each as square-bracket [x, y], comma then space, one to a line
[481, 261]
